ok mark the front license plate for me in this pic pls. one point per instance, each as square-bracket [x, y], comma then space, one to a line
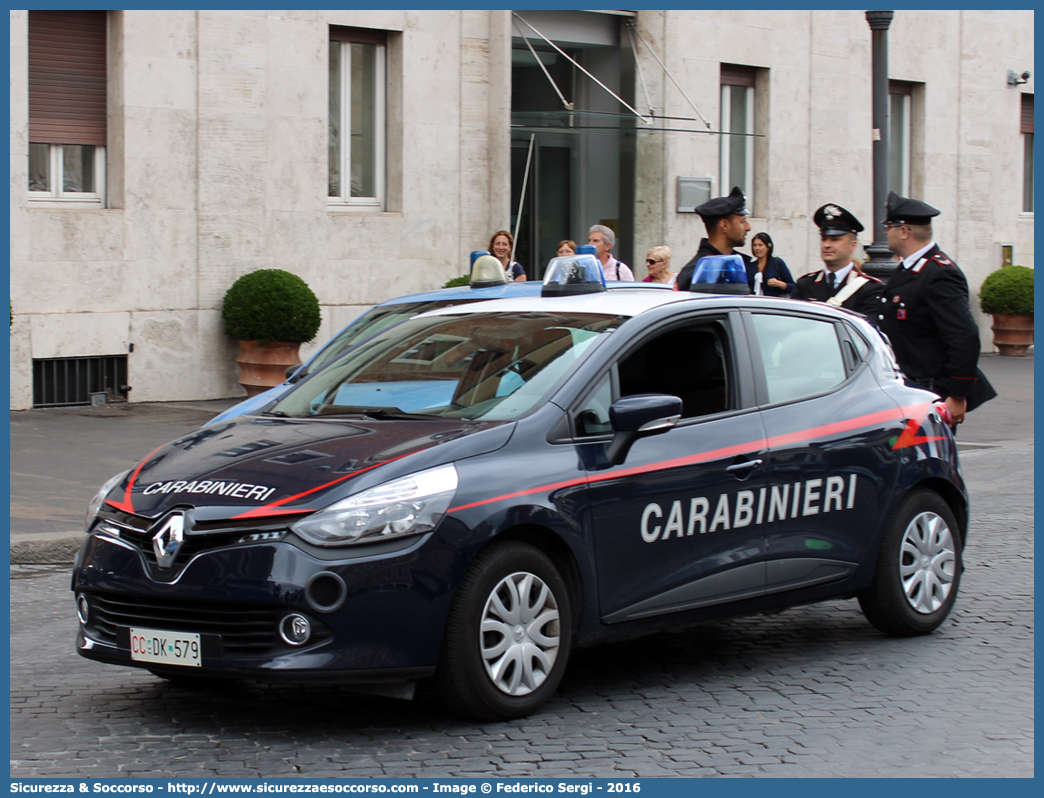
[166, 648]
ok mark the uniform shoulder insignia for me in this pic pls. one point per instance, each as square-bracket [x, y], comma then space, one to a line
[869, 277]
[810, 275]
[941, 259]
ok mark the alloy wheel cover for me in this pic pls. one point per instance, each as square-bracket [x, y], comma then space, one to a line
[927, 562]
[519, 633]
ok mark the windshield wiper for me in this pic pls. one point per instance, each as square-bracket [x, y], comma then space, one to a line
[380, 413]
[276, 413]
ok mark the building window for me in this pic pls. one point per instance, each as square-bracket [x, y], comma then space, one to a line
[900, 136]
[67, 106]
[737, 129]
[1027, 153]
[357, 117]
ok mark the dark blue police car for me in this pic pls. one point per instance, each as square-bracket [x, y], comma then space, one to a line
[473, 493]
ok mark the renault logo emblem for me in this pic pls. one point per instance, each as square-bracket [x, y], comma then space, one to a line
[167, 541]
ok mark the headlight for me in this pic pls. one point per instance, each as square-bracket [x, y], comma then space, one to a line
[96, 502]
[408, 506]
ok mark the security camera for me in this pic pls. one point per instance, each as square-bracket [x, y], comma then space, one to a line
[1014, 80]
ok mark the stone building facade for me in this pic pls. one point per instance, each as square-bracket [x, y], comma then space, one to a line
[217, 157]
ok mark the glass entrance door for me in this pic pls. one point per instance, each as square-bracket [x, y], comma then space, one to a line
[546, 210]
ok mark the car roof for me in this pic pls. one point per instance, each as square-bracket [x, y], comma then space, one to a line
[631, 302]
[529, 288]
[618, 302]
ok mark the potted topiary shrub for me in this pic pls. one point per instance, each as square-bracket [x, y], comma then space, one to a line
[1007, 295]
[271, 312]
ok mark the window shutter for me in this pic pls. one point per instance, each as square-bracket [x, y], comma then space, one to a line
[67, 83]
[1027, 113]
[736, 75]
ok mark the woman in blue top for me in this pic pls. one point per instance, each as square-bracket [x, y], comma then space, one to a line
[500, 245]
[767, 275]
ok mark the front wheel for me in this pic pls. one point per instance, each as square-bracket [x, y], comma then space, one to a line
[918, 568]
[507, 635]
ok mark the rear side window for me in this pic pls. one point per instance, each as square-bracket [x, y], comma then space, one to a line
[801, 356]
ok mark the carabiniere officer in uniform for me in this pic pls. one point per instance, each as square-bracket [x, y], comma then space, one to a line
[840, 282]
[924, 311]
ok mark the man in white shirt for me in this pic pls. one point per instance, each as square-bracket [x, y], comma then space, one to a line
[604, 239]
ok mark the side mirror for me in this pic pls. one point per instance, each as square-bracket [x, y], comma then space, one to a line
[634, 417]
[291, 371]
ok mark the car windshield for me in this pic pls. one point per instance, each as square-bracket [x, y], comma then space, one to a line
[380, 318]
[491, 366]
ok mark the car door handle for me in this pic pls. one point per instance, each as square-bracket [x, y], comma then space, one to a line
[739, 468]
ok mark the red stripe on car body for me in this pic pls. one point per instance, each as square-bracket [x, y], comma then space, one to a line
[918, 411]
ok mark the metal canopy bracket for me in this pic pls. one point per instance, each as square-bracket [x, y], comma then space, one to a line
[633, 30]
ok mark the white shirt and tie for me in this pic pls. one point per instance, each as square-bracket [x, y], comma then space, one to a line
[834, 279]
[911, 260]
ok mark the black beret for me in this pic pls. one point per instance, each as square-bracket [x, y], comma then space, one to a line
[901, 210]
[724, 206]
[833, 220]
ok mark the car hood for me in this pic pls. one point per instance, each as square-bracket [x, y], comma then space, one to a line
[261, 467]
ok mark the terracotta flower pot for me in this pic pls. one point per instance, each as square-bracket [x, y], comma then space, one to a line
[1012, 334]
[263, 366]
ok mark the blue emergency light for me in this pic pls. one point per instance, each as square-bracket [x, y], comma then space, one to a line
[720, 274]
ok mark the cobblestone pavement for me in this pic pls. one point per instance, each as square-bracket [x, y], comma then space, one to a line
[813, 691]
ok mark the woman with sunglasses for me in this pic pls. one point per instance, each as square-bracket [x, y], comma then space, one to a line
[658, 261]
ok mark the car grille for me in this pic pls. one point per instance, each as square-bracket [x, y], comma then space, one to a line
[192, 545]
[200, 536]
[245, 630]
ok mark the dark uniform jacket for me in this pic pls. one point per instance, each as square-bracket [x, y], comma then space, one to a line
[814, 287]
[924, 312]
[685, 275]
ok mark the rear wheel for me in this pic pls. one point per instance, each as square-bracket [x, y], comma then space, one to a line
[507, 635]
[918, 569]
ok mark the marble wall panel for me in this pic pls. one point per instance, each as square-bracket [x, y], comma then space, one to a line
[161, 184]
[160, 34]
[160, 235]
[297, 173]
[219, 375]
[79, 334]
[21, 364]
[165, 365]
[64, 235]
[156, 82]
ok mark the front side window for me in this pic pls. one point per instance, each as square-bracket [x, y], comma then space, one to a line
[689, 362]
[67, 106]
[800, 356]
[737, 130]
[357, 117]
[489, 366]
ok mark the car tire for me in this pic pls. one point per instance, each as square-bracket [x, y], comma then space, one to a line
[507, 636]
[918, 568]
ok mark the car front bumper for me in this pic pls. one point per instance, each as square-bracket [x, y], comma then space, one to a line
[374, 617]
